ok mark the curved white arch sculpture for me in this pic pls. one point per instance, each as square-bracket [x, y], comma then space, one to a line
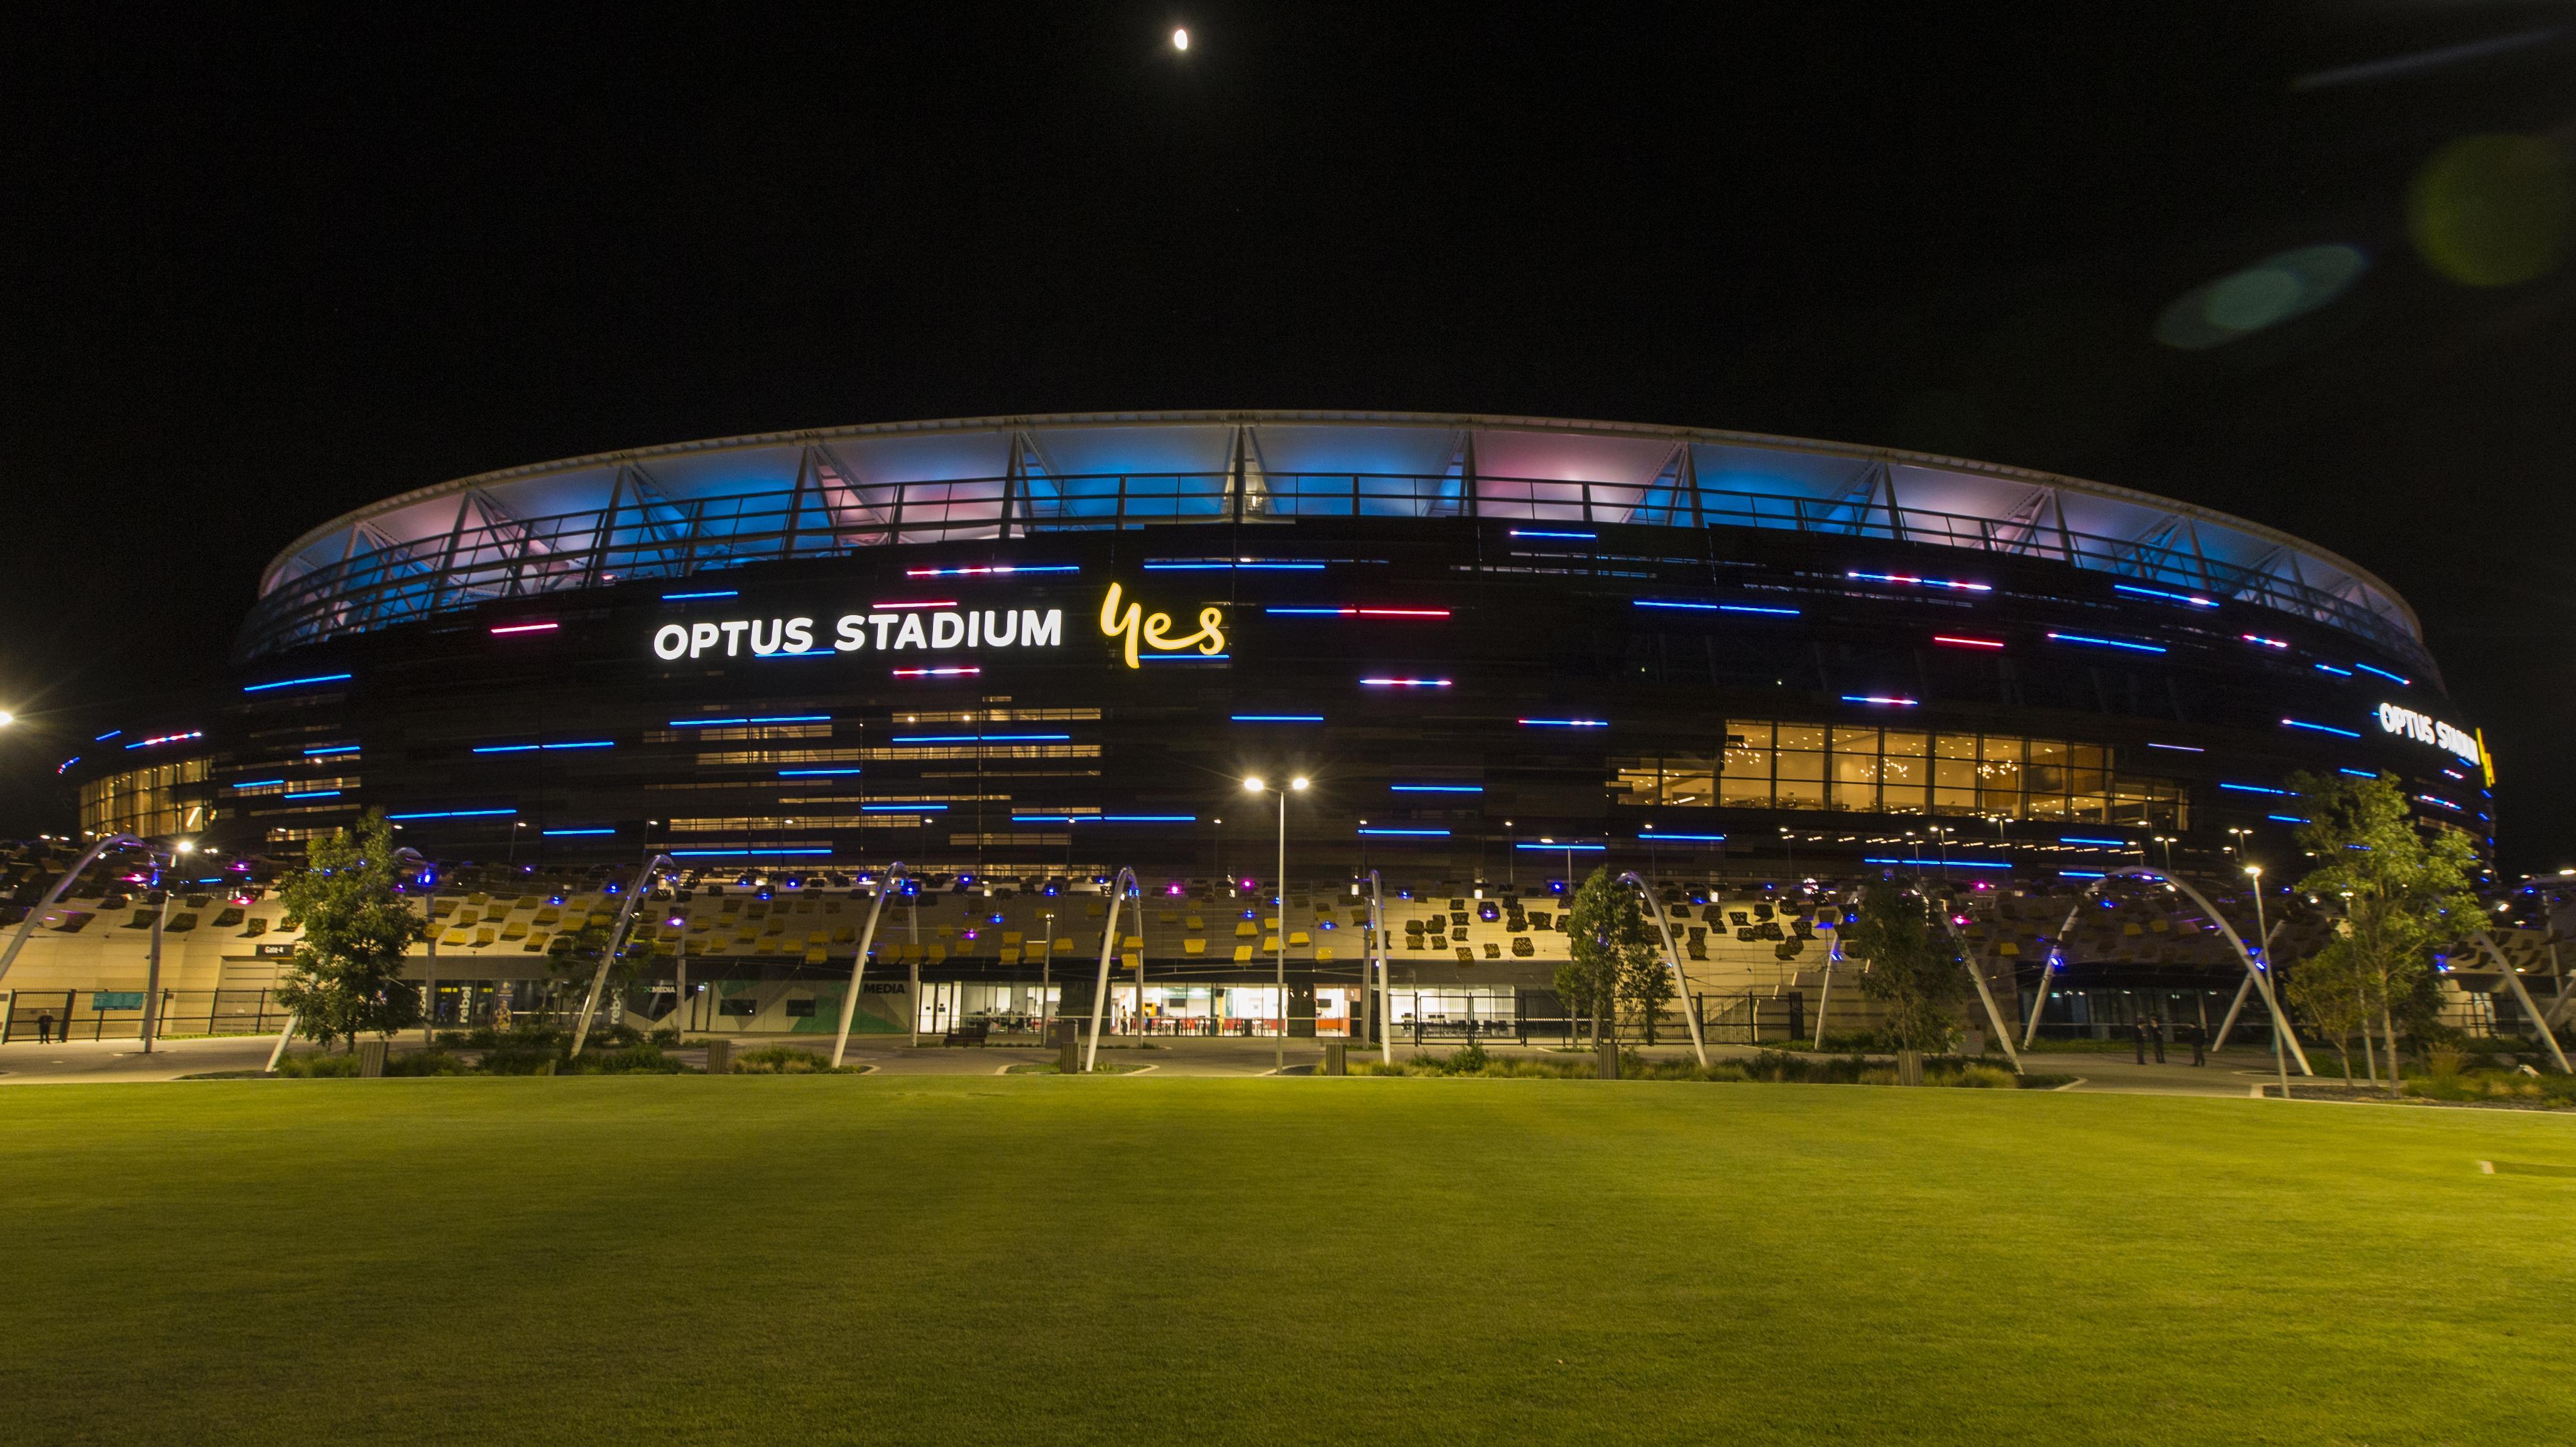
[1672, 957]
[54, 896]
[1976, 977]
[1376, 967]
[2255, 975]
[2522, 996]
[616, 942]
[859, 967]
[1118, 889]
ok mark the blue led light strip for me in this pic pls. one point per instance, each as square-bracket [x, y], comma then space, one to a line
[1184, 657]
[1944, 864]
[1437, 788]
[456, 814]
[1922, 582]
[903, 808]
[333, 749]
[998, 570]
[2330, 668]
[1715, 607]
[1878, 698]
[815, 773]
[313, 794]
[2384, 673]
[1561, 848]
[2190, 599]
[2253, 789]
[1278, 718]
[689, 597]
[1565, 723]
[708, 723]
[2074, 839]
[2080, 874]
[2086, 638]
[2293, 723]
[1221, 565]
[739, 853]
[1654, 838]
[554, 833]
[550, 748]
[2287, 818]
[1409, 833]
[1541, 533]
[292, 682]
[980, 738]
[1104, 818]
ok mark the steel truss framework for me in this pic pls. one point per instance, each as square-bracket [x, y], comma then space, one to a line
[695, 508]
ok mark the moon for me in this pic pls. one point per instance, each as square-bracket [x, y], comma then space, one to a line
[1180, 39]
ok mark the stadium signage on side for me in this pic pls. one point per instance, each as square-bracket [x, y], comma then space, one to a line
[943, 627]
[2423, 728]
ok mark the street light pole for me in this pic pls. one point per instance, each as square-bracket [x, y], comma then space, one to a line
[152, 974]
[2263, 944]
[1279, 925]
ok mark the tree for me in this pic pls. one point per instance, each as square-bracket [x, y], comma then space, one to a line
[1646, 977]
[346, 974]
[573, 958]
[1913, 970]
[2404, 893]
[2335, 994]
[1606, 932]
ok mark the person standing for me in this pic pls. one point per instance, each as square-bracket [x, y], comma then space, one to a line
[45, 1027]
[2138, 1038]
[2199, 1037]
[2156, 1031]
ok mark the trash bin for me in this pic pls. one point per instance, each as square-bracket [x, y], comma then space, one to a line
[1607, 1052]
[719, 1057]
[371, 1058]
[1337, 1057]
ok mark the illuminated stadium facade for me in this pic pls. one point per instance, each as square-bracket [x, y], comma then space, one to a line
[1038, 649]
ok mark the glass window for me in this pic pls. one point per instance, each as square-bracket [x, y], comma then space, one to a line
[1690, 782]
[1855, 779]
[1800, 766]
[1636, 782]
[1955, 746]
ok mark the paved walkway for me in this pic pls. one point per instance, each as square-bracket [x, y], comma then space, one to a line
[2236, 1073]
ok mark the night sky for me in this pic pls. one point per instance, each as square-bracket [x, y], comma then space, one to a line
[263, 270]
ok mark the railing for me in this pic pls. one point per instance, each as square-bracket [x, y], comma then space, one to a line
[75, 1014]
[531, 557]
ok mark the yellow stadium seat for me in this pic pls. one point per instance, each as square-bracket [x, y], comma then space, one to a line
[1299, 939]
[1194, 947]
[1243, 954]
[1243, 930]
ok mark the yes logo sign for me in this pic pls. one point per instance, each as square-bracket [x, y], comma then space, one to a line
[1130, 623]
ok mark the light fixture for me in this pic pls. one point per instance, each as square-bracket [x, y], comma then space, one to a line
[1253, 785]
[1296, 783]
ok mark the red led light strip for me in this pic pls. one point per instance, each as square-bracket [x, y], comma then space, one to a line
[1966, 642]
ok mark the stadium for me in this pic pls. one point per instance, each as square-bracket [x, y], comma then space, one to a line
[1019, 655]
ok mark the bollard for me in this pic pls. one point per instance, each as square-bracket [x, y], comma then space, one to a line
[719, 1057]
[1337, 1057]
[1068, 1054]
[1607, 1051]
[371, 1059]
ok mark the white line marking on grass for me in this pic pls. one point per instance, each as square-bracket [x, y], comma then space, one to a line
[2070, 1085]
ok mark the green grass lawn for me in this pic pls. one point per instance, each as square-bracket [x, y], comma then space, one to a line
[1050, 1260]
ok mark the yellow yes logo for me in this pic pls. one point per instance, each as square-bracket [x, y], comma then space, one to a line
[1131, 623]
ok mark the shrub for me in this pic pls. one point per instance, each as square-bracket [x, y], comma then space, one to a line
[787, 1060]
[1978, 1076]
[315, 1065]
[426, 1062]
[633, 1060]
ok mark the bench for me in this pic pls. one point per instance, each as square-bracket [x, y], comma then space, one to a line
[970, 1033]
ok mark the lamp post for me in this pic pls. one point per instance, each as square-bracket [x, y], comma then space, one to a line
[1279, 939]
[152, 971]
[2263, 948]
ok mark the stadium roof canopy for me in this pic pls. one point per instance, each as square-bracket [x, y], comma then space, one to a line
[697, 507]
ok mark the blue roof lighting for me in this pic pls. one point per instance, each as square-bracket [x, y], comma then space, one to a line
[2079, 839]
[549, 748]
[559, 833]
[980, 738]
[1908, 578]
[2397, 679]
[693, 597]
[1278, 718]
[1658, 837]
[740, 853]
[313, 794]
[2295, 723]
[1437, 788]
[2330, 668]
[323, 753]
[1227, 565]
[1561, 848]
[1565, 723]
[1409, 833]
[2287, 818]
[1544, 533]
[1945, 863]
[2253, 789]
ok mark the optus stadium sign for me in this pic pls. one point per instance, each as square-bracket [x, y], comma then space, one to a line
[942, 628]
